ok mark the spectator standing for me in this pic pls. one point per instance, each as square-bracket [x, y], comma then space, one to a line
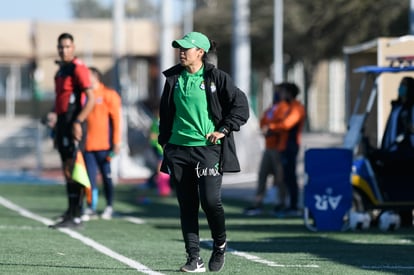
[289, 131]
[199, 110]
[102, 143]
[271, 162]
[68, 118]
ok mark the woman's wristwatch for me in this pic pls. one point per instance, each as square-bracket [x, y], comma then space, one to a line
[224, 130]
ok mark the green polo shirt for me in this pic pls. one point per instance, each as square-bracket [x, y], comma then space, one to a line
[192, 121]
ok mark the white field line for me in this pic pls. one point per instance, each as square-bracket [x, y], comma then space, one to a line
[268, 263]
[257, 259]
[389, 267]
[22, 227]
[401, 241]
[134, 220]
[100, 248]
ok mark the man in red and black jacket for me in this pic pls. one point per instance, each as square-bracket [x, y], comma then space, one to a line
[73, 102]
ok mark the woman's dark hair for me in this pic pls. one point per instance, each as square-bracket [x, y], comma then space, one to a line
[289, 87]
[212, 50]
[96, 72]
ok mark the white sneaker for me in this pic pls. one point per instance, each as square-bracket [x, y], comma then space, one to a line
[89, 214]
[107, 213]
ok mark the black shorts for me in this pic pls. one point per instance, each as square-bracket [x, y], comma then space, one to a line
[64, 140]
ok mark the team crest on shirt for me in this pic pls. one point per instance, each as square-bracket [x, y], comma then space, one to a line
[203, 85]
[99, 100]
[213, 87]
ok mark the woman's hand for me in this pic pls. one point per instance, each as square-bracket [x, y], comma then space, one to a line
[214, 137]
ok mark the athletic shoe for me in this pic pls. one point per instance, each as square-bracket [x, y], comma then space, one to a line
[193, 264]
[89, 214]
[107, 213]
[74, 223]
[279, 210]
[293, 213]
[253, 210]
[62, 217]
[289, 213]
[216, 262]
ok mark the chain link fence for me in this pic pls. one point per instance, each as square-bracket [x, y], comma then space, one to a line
[26, 146]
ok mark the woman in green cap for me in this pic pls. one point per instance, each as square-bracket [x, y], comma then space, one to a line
[199, 110]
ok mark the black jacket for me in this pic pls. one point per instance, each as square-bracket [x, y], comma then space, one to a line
[228, 105]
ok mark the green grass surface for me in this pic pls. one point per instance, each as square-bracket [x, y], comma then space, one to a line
[258, 245]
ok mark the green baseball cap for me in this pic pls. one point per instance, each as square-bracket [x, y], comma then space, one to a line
[192, 40]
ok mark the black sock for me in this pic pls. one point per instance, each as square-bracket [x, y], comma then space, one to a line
[75, 199]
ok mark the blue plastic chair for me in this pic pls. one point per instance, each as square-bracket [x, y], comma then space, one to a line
[328, 189]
